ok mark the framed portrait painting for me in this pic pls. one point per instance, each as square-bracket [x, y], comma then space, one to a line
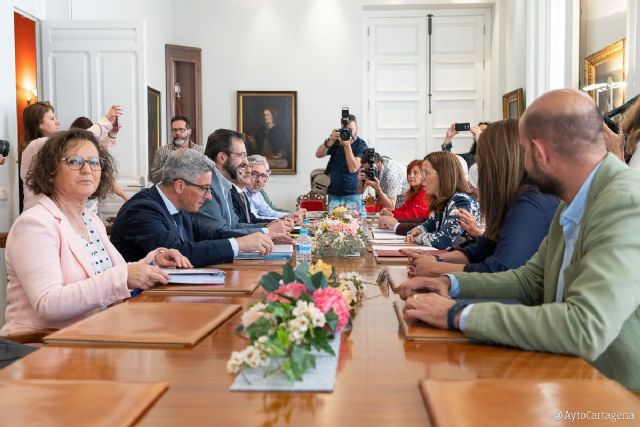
[153, 123]
[604, 76]
[513, 104]
[269, 119]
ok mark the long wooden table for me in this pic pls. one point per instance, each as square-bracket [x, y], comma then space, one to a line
[377, 381]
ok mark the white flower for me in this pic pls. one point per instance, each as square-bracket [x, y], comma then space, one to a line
[252, 356]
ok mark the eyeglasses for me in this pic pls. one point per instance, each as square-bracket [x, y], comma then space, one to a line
[77, 162]
[260, 175]
[203, 188]
[242, 155]
[179, 130]
[426, 172]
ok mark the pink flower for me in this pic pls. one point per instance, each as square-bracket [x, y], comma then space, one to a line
[331, 298]
[293, 290]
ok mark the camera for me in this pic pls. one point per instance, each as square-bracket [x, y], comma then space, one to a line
[369, 157]
[460, 127]
[613, 117]
[4, 148]
[345, 132]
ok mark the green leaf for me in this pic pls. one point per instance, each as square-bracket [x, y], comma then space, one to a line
[321, 341]
[258, 328]
[332, 320]
[287, 274]
[270, 281]
[319, 281]
[303, 268]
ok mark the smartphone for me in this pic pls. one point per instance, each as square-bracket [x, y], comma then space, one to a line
[460, 127]
[115, 124]
[611, 124]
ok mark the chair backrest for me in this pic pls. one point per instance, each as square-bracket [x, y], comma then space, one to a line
[312, 201]
[319, 181]
[3, 240]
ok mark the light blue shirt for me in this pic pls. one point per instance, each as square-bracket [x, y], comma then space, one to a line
[570, 221]
[173, 210]
[260, 207]
[226, 195]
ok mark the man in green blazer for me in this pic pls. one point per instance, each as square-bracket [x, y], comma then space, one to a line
[580, 293]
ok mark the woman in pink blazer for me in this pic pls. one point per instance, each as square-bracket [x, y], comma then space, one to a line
[61, 265]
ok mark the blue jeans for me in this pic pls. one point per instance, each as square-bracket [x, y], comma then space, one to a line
[351, 202]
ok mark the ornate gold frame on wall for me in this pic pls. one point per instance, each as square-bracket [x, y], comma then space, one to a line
[603, 56]
[514, 98]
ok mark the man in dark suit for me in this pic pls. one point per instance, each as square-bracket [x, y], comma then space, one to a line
[160, 217]
[227, 150]
[240, 201]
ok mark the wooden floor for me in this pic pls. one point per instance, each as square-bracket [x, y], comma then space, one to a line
[377, 380]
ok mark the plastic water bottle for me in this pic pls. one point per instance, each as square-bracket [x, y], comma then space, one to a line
[363, 222]
[303, 247]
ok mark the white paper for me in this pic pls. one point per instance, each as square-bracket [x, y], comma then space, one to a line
[398, 247]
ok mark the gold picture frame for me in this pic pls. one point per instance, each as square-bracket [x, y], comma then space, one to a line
[153, 123]
[606, 66]
[513, 104]
[269, 119]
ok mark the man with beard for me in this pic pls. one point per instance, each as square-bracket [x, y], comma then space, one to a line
[227, 150]
[160, 216]
[180, 139]
[579, 292]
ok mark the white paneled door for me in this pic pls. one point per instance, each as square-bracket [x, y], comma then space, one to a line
[401, 123]
[90, 65]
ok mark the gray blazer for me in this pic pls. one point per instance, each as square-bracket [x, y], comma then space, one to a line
[218, 213]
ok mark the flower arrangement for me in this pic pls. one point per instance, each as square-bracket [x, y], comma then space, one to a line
[339, 234]
[303, 309]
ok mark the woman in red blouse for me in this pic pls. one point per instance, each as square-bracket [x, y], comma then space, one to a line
[416, 204]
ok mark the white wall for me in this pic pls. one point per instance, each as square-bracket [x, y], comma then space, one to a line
[313, 47]
[601, 23]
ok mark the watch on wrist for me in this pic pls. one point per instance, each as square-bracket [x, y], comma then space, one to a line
[453, 312]
[325, 143]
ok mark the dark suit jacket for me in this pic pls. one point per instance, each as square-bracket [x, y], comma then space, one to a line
[238, 207]
[144, 223]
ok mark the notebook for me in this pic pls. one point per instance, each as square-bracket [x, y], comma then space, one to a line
[197, 276]
[499, 402]
[146, 324]
[279, 252]
[419, 331]
[235, 282]
[74, 403]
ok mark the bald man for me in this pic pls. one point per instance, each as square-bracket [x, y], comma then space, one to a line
[580, 292]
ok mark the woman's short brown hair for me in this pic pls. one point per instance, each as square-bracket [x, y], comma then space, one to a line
[411, 193]
[47, 161]
[451, 178]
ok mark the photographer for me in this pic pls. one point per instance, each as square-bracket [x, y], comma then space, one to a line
[385, 176]
[345, 148]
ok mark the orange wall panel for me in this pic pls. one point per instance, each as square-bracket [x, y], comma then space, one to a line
[26, 65]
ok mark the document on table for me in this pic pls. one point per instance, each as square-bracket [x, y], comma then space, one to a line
[380, 234]
[195, 276]
[279, 252]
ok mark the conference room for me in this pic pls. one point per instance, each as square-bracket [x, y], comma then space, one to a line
[238, 129]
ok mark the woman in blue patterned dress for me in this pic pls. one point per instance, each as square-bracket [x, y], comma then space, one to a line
[444, 180]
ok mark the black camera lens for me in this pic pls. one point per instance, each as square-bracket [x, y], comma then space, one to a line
[345, 134]
[4, 148]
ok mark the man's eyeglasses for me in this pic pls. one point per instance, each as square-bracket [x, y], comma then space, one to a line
[179, 130]
[203, 188]
[242, 155]
[426, 172]
[259, 175]
[77, 162]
